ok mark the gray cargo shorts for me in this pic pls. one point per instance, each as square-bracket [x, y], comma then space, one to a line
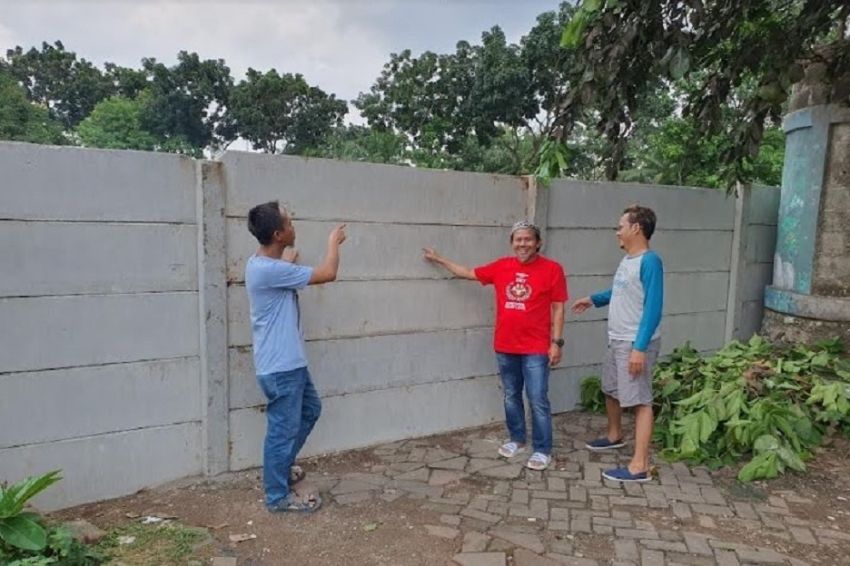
[618, 383]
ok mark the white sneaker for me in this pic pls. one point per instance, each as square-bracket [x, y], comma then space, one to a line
[510, 449]
[538, 461]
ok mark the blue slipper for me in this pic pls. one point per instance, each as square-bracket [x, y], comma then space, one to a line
[624, 475]
[604, 444]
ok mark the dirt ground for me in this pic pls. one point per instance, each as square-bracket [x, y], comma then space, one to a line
[390, 529]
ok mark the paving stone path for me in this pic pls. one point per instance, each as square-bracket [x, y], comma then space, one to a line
[500, 512]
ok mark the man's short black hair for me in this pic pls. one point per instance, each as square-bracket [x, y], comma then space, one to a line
[264, 220]
[644, 216]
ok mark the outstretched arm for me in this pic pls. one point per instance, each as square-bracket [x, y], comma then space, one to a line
[455, 269]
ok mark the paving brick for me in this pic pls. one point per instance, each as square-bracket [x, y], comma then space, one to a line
[626, 549]
[712, 496]
[682, 511]
[636, 534]
[481, 515]
[556, 484]
[480, 558]
[716, 510]
[830, 534]
[630, 501]
[599, 503]
[802, 535]
[559, 525]
[578, 493]
[623, 523]
[556, 495]
[697, 543]
[651, 557]
[762, 556]
[356, 497]
[744, 510]
[726, 558]
[559, 514]
[475, 542]
[580, 525]
[452, 520]
[603, 530]
[664, 545]
[519, 496]
[526, 540]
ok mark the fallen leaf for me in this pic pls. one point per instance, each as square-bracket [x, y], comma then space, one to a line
[242, 537]
[369, 527]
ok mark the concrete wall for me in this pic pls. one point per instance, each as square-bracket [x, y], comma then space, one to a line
[99, 365]
[126, 319]
[396, 348]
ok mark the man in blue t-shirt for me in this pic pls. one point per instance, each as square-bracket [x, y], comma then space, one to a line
[273, 278]
[635, 300]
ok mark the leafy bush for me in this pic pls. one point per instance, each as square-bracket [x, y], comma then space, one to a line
[755, 399]
[592, 398]
[25, 538]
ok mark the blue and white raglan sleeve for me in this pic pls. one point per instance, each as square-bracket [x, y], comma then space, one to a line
[601, 298]
[652, 279]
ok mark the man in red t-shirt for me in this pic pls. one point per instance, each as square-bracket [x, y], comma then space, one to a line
[530, 295]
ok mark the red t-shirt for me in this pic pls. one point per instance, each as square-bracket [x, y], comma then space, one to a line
[524, 296]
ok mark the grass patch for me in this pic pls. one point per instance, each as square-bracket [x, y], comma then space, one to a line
[153, 545]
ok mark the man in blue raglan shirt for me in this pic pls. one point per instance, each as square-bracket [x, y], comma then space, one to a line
[635, 300]
[272, 279]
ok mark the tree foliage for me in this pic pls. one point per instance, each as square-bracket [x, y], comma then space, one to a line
[624, 47]
[282, 113]
[21, 120]
[116, 123]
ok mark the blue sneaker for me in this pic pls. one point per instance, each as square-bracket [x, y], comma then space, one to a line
[604, 444]
[624, 475]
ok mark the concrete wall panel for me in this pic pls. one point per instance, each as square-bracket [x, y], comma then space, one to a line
[86, 401]
[595, 252]
[60, 332]
[586, 204]
[364, 419]
[377, 251]
[66, 258]
[364, 308]
[108, 465]
[65, 183]
[323, 189]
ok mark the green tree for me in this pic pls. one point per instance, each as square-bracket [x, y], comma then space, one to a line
[359, 143]
[57, 80]
[116, 123]
[625, 46]
[21, 120]
[282, 113]
[186, 104]
[484, 107]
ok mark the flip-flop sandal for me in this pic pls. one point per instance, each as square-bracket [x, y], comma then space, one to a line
[296, 474]
[298, 503]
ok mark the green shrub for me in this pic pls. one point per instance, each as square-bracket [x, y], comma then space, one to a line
[771, 403]
[27, 540]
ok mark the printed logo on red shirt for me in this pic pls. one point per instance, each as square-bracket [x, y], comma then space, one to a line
[518, 292]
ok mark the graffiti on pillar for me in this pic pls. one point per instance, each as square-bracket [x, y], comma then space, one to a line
[802, 178]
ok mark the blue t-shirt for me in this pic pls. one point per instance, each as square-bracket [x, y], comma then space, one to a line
[272, 286]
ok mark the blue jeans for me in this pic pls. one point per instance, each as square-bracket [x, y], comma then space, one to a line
[293, 408]
[531, 370]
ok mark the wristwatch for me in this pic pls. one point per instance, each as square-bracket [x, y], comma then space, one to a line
[559, 342]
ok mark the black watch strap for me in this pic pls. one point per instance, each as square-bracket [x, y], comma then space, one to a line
[559, 342]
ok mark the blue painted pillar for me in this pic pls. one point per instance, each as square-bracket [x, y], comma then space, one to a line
[810, 294]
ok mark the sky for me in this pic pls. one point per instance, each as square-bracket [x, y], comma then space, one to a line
[338, 45]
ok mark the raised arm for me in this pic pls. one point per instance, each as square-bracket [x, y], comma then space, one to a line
[327, 270]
